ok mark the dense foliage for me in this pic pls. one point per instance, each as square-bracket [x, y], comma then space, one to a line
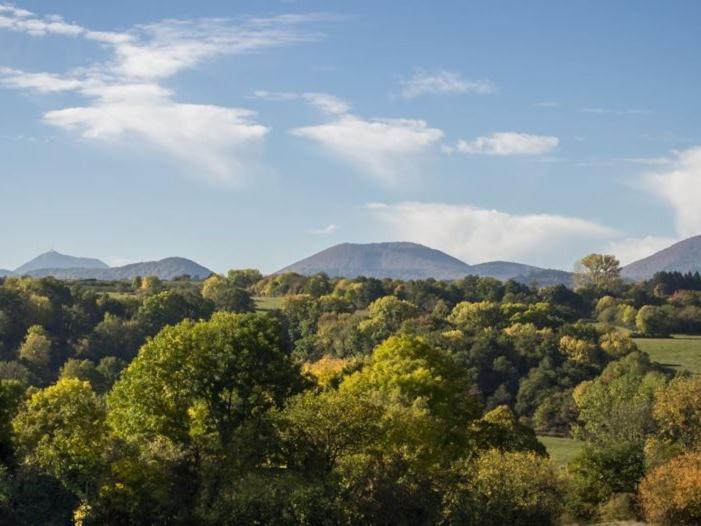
[355, 401]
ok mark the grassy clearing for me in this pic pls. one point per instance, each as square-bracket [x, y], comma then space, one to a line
[268, 303]
[561, 450]
[680, 352]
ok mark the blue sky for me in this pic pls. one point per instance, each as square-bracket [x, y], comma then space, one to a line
[252, 134]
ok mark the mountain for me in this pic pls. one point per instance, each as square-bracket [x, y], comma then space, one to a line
[503, 270]
[546, 277]
[402, 260]
[5, 273]
[168, 268]
[684, 256]
[54, 260]
[398, 260]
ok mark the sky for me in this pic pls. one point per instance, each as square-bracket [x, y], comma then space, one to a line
[255, 133]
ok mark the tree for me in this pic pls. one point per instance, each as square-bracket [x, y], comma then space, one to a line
[169, 308]
[473, 316]
[244, 278]
[226, 295]
[151, 285]
[386, 317]
[652, 321]
[84, 370]
[62, 431]
[36, 347]
[617, 406]
[204, 378]
[319, 429]
[497, 488]
[601, 271]
[427, 398]
[671, 493]
[11, 392]
[677, 412]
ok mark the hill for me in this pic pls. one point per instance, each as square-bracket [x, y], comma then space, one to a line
[5, 273]
[503, 270]
[398, 260]
[684, 256]
[55, 260]
[168, 268]
[403, 260]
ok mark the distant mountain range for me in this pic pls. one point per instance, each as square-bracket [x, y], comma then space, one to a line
[62, 266]
[403, 260]
[397, 260]
[684, 256]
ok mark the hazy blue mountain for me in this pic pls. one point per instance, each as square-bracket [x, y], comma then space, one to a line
[398, 260]
[168, 268]
[684, 256]
[5, 273]
[55, 260]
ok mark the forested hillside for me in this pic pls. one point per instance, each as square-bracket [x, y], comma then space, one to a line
[346, 401]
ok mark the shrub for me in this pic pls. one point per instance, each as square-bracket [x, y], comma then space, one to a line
[671, 493]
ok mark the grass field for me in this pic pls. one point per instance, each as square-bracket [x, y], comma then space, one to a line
[680, 352]
[268, 303]
[561, 450]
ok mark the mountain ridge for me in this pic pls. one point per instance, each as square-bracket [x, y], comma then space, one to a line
[406, 260]
[56, 260]
[682, 256]
[166, 269]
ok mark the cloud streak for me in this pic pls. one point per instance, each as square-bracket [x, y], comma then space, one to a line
[507, 143]
[326, 103]
[442, 83]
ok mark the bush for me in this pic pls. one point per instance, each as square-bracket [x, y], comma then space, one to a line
[671, 493]
[503, 488]
[620, 507]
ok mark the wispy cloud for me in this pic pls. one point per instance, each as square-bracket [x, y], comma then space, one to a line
[477, 234]
[546, 104]
[329, 229]
[329, 104]
[383, 148]
[125, 97]
[506, 143]
[442, 83]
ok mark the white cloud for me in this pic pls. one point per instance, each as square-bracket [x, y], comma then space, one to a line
[219, 141]
[329, 104]
[442, 83]
[383, 148]
[329, 229]
[477, 235]
[507, 143]
[680, 187]
[41, 82]
[631, 249]
[124, 97]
